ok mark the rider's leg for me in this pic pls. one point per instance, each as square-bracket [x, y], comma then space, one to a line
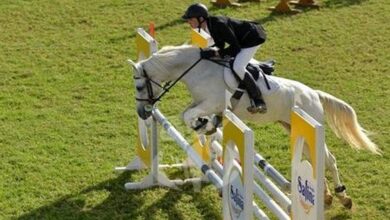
[255, 94]
[241, 61]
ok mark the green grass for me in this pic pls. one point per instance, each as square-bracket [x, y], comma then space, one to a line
[67, 114]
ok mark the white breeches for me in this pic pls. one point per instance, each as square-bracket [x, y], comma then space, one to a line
[242, 59]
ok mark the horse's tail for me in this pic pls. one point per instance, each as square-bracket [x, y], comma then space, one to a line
[342, 119]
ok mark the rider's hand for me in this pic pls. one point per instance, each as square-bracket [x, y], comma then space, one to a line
[207, 53]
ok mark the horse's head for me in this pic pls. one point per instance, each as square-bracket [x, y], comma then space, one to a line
[166, 65]
[147, 90]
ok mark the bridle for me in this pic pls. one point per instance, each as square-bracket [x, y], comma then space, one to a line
[148, 84]
[152, 99]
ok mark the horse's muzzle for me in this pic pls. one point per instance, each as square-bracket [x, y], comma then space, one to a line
[144, 111]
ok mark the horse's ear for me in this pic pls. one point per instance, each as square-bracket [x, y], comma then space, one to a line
[132, 63]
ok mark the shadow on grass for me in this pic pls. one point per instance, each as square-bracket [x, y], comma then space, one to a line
[341, 3]
[272, 16]
[121, 204]
[342, 216]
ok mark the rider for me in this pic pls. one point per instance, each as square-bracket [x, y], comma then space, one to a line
[243, 37]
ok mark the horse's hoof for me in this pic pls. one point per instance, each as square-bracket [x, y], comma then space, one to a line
[262, 109]
[210, 132]
[347, 202]
[328, 200]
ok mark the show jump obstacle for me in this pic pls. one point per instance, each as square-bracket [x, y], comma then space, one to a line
[243, 172]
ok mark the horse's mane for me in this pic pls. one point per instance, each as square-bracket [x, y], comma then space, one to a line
[167, 49]
[171, 55]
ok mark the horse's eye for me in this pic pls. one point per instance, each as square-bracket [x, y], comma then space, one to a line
[139, 87]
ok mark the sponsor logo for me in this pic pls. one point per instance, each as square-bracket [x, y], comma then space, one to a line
[236, 190]
[237, 198]
[236, 201]
[306, 194]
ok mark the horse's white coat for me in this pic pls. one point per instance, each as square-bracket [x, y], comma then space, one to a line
[207, 86]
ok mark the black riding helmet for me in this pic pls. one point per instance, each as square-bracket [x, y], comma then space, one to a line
[196, 11]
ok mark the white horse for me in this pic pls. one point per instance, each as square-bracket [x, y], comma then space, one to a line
[205, 81]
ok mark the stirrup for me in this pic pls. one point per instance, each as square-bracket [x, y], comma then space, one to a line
[262, 108]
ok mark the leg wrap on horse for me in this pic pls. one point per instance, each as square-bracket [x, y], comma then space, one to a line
[345, 200]
[340, 189]
[201, 122]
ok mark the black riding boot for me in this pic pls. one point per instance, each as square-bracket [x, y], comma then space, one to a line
[254, 93]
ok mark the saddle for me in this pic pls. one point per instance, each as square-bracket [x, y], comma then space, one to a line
[255, 68]
[264, 67]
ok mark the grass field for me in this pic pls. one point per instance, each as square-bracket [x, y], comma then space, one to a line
[67, 108]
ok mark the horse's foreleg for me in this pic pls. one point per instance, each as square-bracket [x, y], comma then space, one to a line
[193, 118]
[340, 189]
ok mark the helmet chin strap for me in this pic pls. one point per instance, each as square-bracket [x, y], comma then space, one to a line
[200, 23]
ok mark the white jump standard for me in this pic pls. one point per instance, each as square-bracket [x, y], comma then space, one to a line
[239, 177]
[237, 180]
[171, 131]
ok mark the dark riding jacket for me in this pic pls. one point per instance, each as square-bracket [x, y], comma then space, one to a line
[237, 33]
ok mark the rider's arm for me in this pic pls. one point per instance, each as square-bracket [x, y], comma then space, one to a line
[228, 36]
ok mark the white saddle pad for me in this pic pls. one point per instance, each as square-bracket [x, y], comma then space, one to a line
[232, 83]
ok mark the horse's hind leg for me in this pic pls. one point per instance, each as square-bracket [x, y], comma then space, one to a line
[328, 198]
[340, 189]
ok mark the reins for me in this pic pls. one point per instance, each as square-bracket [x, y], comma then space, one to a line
[165, 88]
